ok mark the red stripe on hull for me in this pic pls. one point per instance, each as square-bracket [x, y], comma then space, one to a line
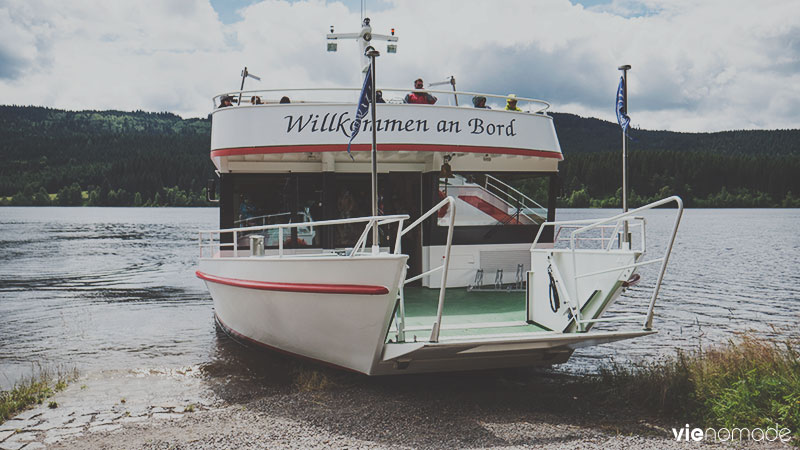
[353, 289]
[383, 148]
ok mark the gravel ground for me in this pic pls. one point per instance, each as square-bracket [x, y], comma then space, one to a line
[249, 399]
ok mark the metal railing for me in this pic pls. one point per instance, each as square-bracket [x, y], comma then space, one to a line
[497, 188]
[530, 105]
[450, 202]
[609, 234]
[618, 220]
[371, 221]
[264, 219]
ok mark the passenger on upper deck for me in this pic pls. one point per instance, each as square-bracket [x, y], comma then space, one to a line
[422, 98]
[256, 100]
[379, 97]
[226, 101]
[511, 103]
[285, 99]
[479, 101]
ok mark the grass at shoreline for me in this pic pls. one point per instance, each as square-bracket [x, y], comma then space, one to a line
[749, 382]
[33, 390]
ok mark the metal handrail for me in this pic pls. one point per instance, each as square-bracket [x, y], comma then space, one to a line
[451, 203]
[613, 236]
[541, 110]
[519, 207]
[267, 216]
[506, 185]
[371, 221]
[592, 224]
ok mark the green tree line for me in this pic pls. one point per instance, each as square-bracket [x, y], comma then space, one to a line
[110, 158]
[115, 158]
[701, 179]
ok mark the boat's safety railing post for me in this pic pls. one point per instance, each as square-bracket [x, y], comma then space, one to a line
[211, 242]
[362, 240]
[445, 265]
[450, 202]
[620, 219]
[648, 323]
[397, 245]
[400, 319]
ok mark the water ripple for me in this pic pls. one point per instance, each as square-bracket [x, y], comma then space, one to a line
[115, 287]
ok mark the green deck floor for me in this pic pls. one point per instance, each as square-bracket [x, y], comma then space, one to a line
[462, 307]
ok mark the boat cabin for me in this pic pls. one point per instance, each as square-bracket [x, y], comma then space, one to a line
[289, 162]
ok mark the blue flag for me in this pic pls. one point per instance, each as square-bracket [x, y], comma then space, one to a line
[622, 117]
[363, 107]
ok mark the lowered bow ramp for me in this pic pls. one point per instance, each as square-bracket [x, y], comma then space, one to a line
[475, 353]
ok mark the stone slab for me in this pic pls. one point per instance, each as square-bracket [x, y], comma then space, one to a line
[167, 416]
[109, 427]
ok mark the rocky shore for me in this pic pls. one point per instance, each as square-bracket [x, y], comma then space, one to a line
[260, 400]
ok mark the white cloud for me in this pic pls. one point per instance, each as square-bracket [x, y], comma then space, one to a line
[708, 65]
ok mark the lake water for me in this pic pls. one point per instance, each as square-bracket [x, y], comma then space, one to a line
[114, 288]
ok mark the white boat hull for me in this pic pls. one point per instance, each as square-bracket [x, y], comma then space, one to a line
[341, 319]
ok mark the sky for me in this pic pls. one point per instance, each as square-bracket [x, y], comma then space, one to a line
[696, 65]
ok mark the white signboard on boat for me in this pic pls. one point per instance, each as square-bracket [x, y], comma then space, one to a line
[290, 128]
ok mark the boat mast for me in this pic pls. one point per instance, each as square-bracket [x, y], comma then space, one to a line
[372, 54]
[368, 55]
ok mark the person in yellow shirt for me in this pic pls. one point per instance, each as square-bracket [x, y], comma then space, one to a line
[511, 103]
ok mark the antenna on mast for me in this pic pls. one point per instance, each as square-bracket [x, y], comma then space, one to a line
[364, 38]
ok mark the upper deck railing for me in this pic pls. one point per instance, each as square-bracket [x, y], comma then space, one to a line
[334, 95]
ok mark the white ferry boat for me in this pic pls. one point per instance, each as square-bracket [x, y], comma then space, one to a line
[468, 268]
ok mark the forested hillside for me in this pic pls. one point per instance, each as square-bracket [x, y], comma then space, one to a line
[725, 169]
[60, 157]
[111, 154]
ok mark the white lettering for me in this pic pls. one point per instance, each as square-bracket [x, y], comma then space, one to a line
[770, 434]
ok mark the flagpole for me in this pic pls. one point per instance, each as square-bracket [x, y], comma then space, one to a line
[626, 238]
[372, 53]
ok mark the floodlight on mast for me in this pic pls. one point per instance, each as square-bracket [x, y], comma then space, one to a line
[364, 38]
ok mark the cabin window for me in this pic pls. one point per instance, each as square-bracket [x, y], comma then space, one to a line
[496, 199]
[271, 199]
[354, 199]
